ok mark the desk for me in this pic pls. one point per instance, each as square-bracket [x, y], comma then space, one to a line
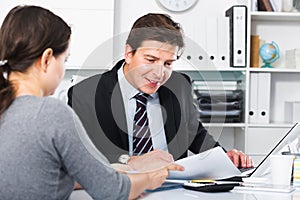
[183, 194]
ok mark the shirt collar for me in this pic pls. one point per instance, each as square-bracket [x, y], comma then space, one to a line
[129, 90]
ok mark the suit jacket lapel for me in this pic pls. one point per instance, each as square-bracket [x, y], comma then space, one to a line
[171, 117]
[118, 111]
[168, 116]
[110, 95]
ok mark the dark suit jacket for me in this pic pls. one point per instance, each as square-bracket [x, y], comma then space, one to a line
[99, 104]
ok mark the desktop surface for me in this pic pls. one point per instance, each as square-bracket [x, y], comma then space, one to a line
[183, 194]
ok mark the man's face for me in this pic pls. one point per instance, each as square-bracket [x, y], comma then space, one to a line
[150, 66]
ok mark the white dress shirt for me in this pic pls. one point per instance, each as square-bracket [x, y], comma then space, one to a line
[154, 113]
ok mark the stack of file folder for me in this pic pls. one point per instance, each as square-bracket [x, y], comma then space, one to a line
[220, 105]
[296, 172]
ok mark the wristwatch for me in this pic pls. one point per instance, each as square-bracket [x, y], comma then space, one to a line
[124, 158]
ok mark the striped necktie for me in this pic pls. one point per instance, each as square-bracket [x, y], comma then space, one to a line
[142, 142]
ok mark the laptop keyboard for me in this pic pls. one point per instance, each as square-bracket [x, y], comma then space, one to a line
[245, 169]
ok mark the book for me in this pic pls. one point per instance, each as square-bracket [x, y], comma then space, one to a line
[254, 51]
[264, 5]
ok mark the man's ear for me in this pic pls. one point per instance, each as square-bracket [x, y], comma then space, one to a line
[46, 59]
[128, 53]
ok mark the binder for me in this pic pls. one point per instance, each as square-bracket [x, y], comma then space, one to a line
[212, 40]
[254, 5]
[273, 6]
[253, 115]
[264, 92]
[238, 35]
[223, 42]
[278, 5]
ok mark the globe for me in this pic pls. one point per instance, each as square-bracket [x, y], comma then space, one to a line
[269, 53]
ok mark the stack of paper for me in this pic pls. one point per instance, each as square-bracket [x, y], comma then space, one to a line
[212, 164]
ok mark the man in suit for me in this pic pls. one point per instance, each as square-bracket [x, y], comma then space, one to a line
[142, 113]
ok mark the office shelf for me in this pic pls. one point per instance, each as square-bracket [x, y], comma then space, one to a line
[275, 16]
[275, 70]
[271, 125]
[228, 125]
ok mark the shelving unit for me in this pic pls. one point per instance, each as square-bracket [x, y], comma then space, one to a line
[284, 29]
[257, 139]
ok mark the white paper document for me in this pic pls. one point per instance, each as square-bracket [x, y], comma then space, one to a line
[211, 164]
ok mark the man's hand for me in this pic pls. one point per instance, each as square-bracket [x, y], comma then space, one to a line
[151, 160]
[240, 159]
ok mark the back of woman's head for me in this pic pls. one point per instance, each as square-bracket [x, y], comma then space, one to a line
[26, 32]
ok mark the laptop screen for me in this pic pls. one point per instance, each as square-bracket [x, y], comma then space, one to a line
[264, 167]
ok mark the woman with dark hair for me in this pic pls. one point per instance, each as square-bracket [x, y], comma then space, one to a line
[44, 147]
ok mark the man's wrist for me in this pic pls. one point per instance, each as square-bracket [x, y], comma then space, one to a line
[124, 159]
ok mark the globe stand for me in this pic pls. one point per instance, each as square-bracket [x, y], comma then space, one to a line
[267, 65]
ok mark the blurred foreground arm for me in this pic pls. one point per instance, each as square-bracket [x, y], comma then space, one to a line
[150, 180]
[151, 160]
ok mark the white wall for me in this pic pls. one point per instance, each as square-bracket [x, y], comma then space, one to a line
[91, 22]
[92, 28]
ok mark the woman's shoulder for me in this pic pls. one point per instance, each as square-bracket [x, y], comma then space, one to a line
[54, 108]
[43, 110]
[55, 105]
[37, 104]
[58, 114]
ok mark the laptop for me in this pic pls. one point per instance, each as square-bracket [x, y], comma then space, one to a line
[263, 168]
